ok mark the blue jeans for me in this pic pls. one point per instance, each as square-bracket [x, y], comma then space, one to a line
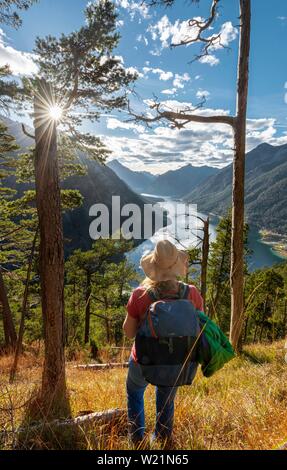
[136, 385]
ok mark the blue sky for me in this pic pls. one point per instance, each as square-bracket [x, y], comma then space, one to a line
[146, 34]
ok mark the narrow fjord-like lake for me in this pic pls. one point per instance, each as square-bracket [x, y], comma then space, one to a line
[262, 254]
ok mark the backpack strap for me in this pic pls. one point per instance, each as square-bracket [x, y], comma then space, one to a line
[183, 290]
[153, 295]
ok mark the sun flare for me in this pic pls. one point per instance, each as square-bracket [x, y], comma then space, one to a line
[56, 112]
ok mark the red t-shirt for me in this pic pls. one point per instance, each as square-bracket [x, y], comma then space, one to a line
[140, 300]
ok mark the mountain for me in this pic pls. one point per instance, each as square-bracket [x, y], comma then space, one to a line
[265, 189]
[137, 180]
[98, 186]
[177, 183]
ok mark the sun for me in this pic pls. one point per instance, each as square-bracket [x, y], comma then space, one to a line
[55, 112]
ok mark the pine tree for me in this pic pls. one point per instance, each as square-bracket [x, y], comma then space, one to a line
[218, 271]
[9, 11]
[77, 72]
[7, 145]
[263, 292]
[89, 269]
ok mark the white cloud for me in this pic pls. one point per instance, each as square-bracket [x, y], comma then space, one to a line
[169, 33]
[171, 91]
[163, 148]
[202, 94]
[134, 8]
[285, 96]
[174, 33]
[163, 75]
[209, 59]
[21, 63]
[134, 70]
[155, 52]
[282, 18]
[180, 79]
[113, 123]
[142, 38]
[228, 33]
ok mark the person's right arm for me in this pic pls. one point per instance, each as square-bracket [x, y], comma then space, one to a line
[132, 319]
[130, 326]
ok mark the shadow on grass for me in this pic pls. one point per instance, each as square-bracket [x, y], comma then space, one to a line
[39, 429]
[257, 358]
[60, 431]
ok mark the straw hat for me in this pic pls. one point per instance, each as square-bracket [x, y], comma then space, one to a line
[165, 263]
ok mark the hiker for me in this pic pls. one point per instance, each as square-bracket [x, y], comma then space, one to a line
[162, 268]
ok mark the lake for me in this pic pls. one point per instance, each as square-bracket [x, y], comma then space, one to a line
[262, 254]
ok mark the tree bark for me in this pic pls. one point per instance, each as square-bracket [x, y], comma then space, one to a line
[237, 240]
[261, 333]
[285, 319]
[245, 330]
[255, 333]
[48, 199]
[88, 308]
[8, 323]
[204, 261]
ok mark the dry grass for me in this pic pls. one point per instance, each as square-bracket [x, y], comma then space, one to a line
[244, 406]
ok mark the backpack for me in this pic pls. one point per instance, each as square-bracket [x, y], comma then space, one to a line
[167, 339]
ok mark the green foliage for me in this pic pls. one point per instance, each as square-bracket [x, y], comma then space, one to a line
[101, 277]
[85, 76]
[9, 11]
[218, 291]
[265, 305]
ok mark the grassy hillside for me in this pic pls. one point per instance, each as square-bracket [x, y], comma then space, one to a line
[244, 406]
[265, 189]
[177, 183]
[137, 180]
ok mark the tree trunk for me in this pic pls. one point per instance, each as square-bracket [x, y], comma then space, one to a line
[285, 319]
[204, 261]
[237, 237]
[88, 308]
[8, 323]
[261, 333]
[255, 333]
[245, 330]
[23, 313]
[108, 332]
[48, 199]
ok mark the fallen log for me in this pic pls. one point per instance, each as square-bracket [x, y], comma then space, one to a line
[97, 418]
[111, 365]
[110, 417]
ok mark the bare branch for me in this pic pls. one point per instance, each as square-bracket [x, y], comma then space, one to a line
[27, 133]
[180, 118]
[197, 29]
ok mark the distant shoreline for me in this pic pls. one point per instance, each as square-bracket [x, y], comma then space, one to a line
[277, 242]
